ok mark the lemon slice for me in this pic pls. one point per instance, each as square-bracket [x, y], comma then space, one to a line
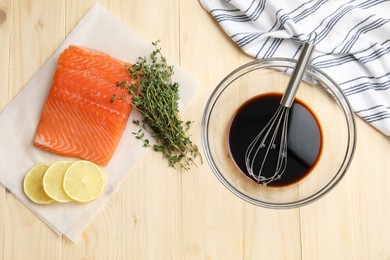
[33, 187]
[53, 181]
[84, 181]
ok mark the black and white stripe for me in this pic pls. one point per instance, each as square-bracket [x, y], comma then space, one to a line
[252, 13]
[375, 113]
[372, 53]
[310, 10]
[372, 26]
[380, 83]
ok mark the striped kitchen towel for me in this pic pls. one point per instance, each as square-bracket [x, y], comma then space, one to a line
[353, 42]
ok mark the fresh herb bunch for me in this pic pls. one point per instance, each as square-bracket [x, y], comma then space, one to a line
[156, 97]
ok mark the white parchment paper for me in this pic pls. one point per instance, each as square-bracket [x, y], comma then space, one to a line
[18, 121]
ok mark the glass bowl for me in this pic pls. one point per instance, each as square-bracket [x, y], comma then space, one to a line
[317, 91]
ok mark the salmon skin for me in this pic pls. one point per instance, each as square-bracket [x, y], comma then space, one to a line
[78, 119]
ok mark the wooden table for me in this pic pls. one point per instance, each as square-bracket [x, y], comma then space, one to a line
[160, 213]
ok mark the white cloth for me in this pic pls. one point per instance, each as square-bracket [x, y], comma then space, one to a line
[353, 42]
[102, 31]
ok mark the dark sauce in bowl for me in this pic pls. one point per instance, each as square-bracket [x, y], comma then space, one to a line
[304, 137]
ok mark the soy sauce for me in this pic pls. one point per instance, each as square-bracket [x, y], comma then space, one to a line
[304, 137]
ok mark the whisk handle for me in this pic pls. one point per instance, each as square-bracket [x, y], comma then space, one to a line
[299, 70]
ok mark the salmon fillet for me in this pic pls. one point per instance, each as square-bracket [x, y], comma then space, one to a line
[78, 119]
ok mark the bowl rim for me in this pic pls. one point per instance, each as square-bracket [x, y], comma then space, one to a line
[340, 98]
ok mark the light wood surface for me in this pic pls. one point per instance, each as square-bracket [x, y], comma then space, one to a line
[161, 213]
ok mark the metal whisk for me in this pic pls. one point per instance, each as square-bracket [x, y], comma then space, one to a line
[266, 143]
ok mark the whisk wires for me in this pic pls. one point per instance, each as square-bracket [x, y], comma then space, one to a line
[265, 143]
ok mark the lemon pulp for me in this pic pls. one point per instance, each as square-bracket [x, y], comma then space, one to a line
[53, 181]
[33, 187]
[84, 181]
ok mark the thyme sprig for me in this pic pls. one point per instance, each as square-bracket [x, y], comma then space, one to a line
[156, 96]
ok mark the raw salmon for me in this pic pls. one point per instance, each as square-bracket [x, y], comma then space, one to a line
[78, 119]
